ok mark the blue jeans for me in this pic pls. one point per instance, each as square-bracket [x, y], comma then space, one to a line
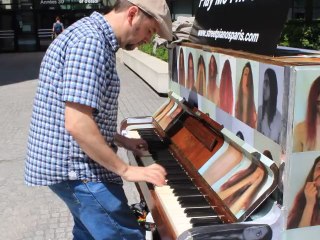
[100, 210]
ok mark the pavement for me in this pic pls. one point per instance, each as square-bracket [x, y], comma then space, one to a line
[35, 213]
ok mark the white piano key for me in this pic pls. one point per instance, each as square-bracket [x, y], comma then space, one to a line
[175, 213]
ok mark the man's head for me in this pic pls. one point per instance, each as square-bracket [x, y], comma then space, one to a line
[158, 9]
[141, 19]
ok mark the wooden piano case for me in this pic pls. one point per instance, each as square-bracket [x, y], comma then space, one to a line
[200, 144]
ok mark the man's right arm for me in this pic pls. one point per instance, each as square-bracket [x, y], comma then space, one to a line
[81, 125]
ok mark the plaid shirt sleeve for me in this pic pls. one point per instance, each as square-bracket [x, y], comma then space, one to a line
[82, 76]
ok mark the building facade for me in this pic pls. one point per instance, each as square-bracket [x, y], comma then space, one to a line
[26, 25]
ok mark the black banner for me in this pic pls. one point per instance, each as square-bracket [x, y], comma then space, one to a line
[249, 25]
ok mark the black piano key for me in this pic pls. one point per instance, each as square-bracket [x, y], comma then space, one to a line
[186, 192]
[152, 146]
[200, 212]
[174, 169]
[182, 186]
[177, 176]
[180, 181]
[159, 156]
[147, 131]
[163, 152]
[190, 201]
[175, 173]
[197, 222]
[166, 164]
[154, 134]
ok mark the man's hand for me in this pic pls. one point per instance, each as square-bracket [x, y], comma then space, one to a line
[154, 174]
[137, 145]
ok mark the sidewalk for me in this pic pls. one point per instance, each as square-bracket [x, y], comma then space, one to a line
[34, 212]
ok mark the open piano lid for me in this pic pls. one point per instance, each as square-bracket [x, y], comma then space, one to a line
[237, 175]
[250, 180]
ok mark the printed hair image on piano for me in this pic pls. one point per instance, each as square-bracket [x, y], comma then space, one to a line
[269, 117]
[245, 109]
[239, 191]
[226, 89]
[213, 89]
[201, 84]
[173, 65]
[190, 84]
[181, 68]
[190, 76]
[307, 132]
[268, 154]
[305, 210]
[239, 134]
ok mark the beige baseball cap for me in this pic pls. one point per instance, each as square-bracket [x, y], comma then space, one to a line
[160, 11]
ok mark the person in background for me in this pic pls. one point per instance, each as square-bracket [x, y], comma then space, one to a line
[57, 27]
[305, 210]
[73, 131]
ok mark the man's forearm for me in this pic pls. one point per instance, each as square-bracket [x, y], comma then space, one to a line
[84, 130]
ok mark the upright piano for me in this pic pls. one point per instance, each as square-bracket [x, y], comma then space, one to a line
[213, 176]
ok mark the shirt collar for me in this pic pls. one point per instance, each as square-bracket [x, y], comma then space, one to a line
[106, 29]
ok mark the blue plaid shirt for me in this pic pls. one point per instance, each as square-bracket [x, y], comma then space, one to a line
[79, 66]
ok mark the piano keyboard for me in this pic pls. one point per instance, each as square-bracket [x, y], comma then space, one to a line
[182, 201]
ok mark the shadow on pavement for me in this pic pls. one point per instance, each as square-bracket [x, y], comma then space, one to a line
[19, 67]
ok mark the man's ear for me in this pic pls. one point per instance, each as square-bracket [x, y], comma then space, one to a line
[132, 13]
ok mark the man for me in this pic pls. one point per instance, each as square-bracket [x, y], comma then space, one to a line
[305, 210]
[57, 27]
[73, 125]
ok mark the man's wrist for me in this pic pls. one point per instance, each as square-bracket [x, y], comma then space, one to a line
[118, 140]
[123, 170]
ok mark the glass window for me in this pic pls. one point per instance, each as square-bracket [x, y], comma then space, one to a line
[71, 4]
[6, 33]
